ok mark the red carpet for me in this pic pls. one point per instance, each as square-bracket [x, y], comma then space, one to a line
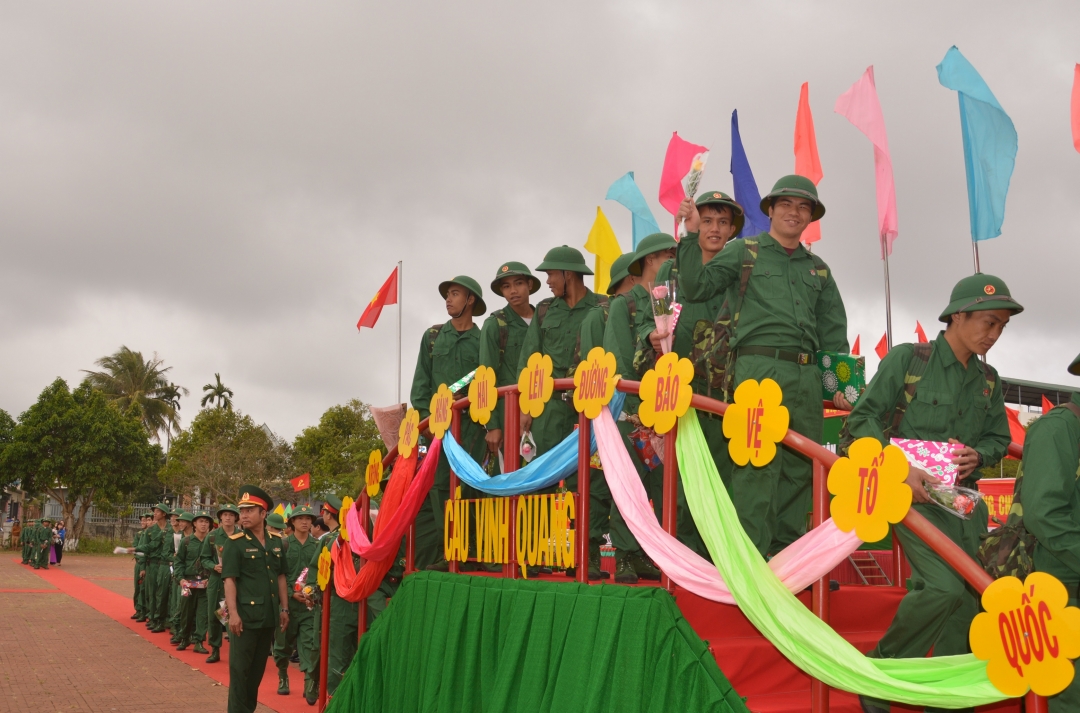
[119, 609]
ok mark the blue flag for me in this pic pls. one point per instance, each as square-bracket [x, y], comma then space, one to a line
[989, 144]
[625, 192]
[746, 190]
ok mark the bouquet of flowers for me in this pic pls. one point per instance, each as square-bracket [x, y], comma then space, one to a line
[308, 590]
[956, 500]
[222, 613]
[665, 311]
[528, 447]
[692, 180]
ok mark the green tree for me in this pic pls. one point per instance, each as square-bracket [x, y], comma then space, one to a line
[336, 451]
[7, 430]
[77, 445]
[140, 387]
[217, 393]
[224, 449]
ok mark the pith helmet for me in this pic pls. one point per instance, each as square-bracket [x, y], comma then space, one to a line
[651, 244]
[163, 508]
[251, 495]
[566, 258]
[228, 507]
[209, 518]
[1074, 368]
[620, 270]
[472, 286]
[304, 511]
[187, 516]
[795, 186]
[980, 292]
[719, 198]
[514, 269]
[275, 521]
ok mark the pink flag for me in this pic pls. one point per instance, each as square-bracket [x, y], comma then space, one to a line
[677, 162]
[861, 107]
[1076, 108]
[807, 162]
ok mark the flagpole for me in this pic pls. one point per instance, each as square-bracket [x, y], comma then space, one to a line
[975, 252]
[888, 304]
[399, 293]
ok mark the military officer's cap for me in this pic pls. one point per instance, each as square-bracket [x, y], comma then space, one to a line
[514, 269]
[187, 516]
[333, 504]
[650, 244]
[795, 186]
[252, 495]
[228, 507]
[302, 511]
[275, 521]
[980, 292]
[1074, 368]
[620, 270]
[195, 516]
[720, 199]
[472, 286]
[565, 258]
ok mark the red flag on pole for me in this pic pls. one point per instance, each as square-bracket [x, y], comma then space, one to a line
[855, 349]
[1016, 431]
[387, 295]
[677, 162]
[302, 482]
[919, 331]
[807, 162]
[882, 347]
[1046, 405]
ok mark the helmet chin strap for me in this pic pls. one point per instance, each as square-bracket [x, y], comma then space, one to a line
[464, 308]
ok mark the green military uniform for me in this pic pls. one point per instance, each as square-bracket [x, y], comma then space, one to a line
[301, 631]
[212, 548]
[156, 552]
[27, 540]
[951, 400]
[445, 356]
[501, 339]
[792, 309]
[139, 596]
[1051, 502]
[42, 544]
[174, 574]
[258, 570]
[193, 607]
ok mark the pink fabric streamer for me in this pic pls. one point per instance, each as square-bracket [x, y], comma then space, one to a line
[677, 162]
[861, 107]
[389, 540]
[805, 561]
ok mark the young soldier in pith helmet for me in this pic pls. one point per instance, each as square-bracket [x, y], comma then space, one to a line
[212, 548]
[157, 548]
[786, 309]
[43, 544]
[1051, 506]
[252, 566]
[193, 607]
[447, 353]
[504, 333]
[299, 547]
[940, 392]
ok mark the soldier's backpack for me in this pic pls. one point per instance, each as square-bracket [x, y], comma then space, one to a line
[1009, 550]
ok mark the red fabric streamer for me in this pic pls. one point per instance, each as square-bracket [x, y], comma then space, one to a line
[882, 347]
[1046, 405]
[807, 162]
[855, 349]
[921, 333]
[391, 529]
[1016, 431]
[677, 162]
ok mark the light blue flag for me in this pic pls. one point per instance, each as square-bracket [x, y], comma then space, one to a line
[625, 192]
[746, 190]
[989, 144]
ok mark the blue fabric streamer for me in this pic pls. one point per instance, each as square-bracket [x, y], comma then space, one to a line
[989, 144]
[626, 192]
[746, 190]
[543, 472]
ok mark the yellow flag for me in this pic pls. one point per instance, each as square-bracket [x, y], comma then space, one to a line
[280, 509]
[605, 246]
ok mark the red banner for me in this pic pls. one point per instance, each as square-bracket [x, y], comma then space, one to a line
[998, 494]
[302, 482]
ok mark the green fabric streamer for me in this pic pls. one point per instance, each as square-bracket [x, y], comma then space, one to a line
[461, 643]
[808, 642]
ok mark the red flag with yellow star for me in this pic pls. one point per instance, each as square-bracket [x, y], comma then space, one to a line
[387, 295]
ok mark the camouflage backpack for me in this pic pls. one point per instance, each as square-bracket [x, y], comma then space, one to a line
[605, 304]
[1009, 550]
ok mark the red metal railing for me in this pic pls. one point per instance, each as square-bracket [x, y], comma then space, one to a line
[822, 458]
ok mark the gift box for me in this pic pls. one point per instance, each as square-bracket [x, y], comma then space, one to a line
[935, 457]
[842, 373]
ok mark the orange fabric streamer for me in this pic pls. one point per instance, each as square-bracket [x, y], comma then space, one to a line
[807, 162]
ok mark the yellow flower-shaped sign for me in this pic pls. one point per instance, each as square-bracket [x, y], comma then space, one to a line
[408, 433]
[482, 395]
[870, 489]
[324, 569]
[594, 382]
[665, 392]
[346, 505]
[1027, 635]
[535, 384]
[374, 473]
[756, 422]
[442, 411]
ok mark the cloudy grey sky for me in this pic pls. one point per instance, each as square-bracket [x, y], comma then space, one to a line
[227, 184]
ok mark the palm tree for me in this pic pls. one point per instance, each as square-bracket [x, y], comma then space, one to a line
[217, 393]
[140, 386]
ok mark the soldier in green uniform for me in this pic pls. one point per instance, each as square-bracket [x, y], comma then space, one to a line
[1051, 507]
[43, 544]
[447, 352]
[501, 338]
[155, 551]
[181, 529]
[27, 537]
[253, 568]
[299, 548]
[790, 308]
[940, 392]
[212, 548]
[195, 576]
[139, 597]
[275, 523]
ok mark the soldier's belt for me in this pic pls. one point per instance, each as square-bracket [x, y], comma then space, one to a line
[800, 358]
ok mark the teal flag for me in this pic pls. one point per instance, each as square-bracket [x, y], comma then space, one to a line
[989, 144]
[625, 192]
